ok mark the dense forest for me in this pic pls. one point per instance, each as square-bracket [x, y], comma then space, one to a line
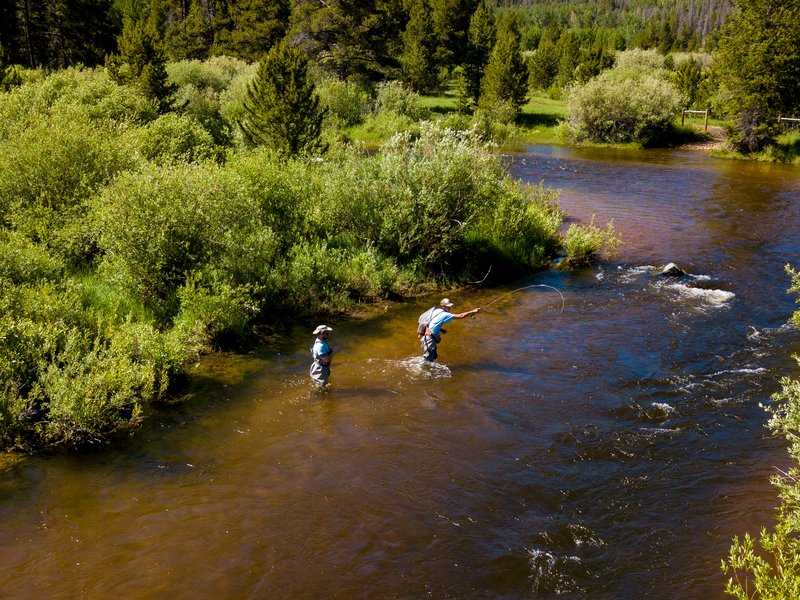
[366, 38]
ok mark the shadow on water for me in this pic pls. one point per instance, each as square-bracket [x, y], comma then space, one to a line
[611, 451]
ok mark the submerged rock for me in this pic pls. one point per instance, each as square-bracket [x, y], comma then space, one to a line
[672, 270]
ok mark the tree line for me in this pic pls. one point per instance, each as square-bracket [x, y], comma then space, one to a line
[368, 39]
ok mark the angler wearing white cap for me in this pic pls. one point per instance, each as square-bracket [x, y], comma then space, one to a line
[430, 326]
[323, 355]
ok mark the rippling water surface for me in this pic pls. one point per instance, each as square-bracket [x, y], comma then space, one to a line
[611, 451]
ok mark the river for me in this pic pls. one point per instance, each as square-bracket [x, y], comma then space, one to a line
[609, 451]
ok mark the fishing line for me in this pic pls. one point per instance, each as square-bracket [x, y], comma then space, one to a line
[525, 288]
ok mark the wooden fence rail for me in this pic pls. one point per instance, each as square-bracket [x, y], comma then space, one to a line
[696, 112]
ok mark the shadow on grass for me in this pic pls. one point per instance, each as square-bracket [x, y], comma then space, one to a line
[538, 120]
[440, 109]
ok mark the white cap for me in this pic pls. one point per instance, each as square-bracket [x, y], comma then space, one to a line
[322, 329]
[446, 302]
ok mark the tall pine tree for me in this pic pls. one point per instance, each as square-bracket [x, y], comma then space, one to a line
[352, 40]
[254, 27]
[417, 64]
[504, 88]
[141, 64]
[758, 60]
[282, 109]
[480, 41]
[189, 36]
[450, 23]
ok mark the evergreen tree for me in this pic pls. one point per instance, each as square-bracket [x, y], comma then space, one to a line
[80, 32]
[480, 41]
[189, 37]
[544, 65]
[593, 61]
[31, 41]
[688, 78]
[569, 51]
[142, 64]
[254, 27]
[282, 109]
[418, 69]
[505, 82]
[451, 20]
[9, 30]
[57, 33]
[758, 60]
[352, 40]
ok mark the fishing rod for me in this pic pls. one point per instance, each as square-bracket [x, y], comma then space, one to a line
[525, 288]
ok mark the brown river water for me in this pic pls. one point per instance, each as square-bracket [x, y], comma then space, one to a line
[609, 452]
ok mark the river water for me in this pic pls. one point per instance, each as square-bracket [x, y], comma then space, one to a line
[609, 451]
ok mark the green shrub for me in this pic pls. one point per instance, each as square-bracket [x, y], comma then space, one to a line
[215, 74]
[326, 279]
[385, 124]
[422, 200]
[173, 137]
[57, 164]
[23, 261]
[583, 244]
[311, 285]
[68, 94]
[70, 379]
[612, 110]
[285, 191]
[633, 102]
[202, 89]
[47, 174]
[395, 97]
[213, 314]
[637, 60]
[157, 225]
[346, 103]
[524, 225]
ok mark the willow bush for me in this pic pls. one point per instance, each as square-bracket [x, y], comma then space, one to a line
[173, 137]
[70, 378]
[423, 200]
[158, 224]
[583, 244]
[635, 101]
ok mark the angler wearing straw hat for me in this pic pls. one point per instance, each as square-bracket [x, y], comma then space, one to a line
[430, 326]
[323, 355]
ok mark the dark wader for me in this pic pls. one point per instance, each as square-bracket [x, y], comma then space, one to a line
[428, 343]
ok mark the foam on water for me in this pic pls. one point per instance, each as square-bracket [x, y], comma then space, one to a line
[711, 298]
[419, 367]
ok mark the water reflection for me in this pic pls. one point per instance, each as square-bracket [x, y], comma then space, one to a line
[610, 451]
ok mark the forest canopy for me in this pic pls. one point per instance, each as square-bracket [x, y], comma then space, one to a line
[364, 39]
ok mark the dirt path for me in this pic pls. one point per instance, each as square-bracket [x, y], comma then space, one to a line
[716, 138]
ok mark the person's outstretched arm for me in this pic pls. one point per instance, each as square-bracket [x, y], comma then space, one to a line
[474, 311]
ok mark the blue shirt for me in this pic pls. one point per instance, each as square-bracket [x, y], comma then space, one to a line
[439, 318]
[320, 349]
